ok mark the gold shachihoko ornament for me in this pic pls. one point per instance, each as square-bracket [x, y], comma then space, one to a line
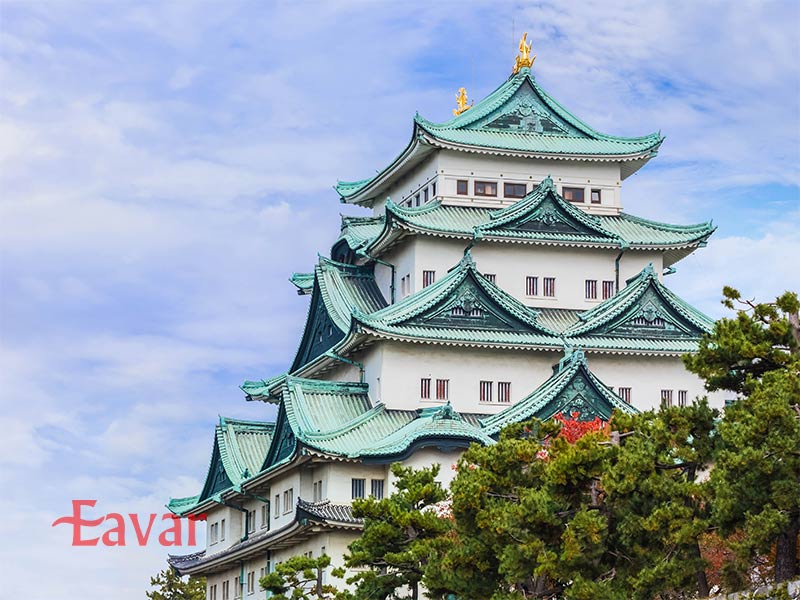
[461, 102]
[524, 59]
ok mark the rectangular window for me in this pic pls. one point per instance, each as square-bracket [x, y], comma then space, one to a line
[226, 590]
[318, 495]
[486, 391]
[485, 188]
[666, 398]
[428, 277]
[237, 587]
[683, 396]
[572, 194]
[550, 286]
[425, 388]
[212, 592]
[625, 394]
[288, 500]
[222, 529]
[357, 488]
[591, 289]
[531, 286]
[462, 187]
[608, 289]
[425, 196]
[212, 533]
[442, 389]
[251, 582]
[264, 516]
[433, 189]
[416, 200]
[490, 277]
[251, 521]
[276, 510]
[595, 196]
[504, 392]
[376, 490]
[514, 190]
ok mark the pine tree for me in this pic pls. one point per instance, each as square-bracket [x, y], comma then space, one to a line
[171, 586]
[302, 578]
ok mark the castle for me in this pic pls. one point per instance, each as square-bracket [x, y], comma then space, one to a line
[496, 279]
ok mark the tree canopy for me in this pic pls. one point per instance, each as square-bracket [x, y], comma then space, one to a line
[171, 586]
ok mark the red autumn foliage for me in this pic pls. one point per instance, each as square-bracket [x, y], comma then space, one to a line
[573, 429]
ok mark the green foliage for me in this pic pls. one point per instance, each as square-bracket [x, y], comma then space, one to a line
[400, 533]
[536, 515]
[301, 578]
[762, 338]
[170, 586]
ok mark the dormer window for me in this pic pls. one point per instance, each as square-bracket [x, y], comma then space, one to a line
[514, 190]
[486, 188]
[572, 194]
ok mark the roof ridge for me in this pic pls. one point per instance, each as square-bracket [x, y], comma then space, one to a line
[661, 224]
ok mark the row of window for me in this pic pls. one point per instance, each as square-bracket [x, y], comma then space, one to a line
[359, 487]
[503, 391]
[667, 397]
[442, 388]
[225, 586]
[288, 503]
[518, 190]
[548, 287]
[591, 289]
[216, 532]
[423, 196]
[576, 195]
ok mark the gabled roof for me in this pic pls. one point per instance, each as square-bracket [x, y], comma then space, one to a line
[541, 217]
[644, 313]
[519, 118]
[462, 306]
[572, 388]
[338, 290]
[239, 451]
[338, 419]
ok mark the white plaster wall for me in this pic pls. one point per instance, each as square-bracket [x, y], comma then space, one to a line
[290, 480]
[332, 543]
[461, 165]
[413, 182]
[647, 376]
[405, 364]
[233, 527]
[427, 457]
[340, 475]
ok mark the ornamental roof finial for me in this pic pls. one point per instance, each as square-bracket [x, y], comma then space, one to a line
[524, 59]
[461, 102]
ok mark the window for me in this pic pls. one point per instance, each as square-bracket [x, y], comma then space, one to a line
[666, 398]
[213, 533]
[425, 388]
[433, 189]
[251, 582]
[550, 286]
[573, 194]
[251, 521]
[212, 592]
[462, 187]
[504, 392]
[288, 500]
[237, 587]
[458, 311]
[276, 510]
[591, 289]
[625, 394]
[492, 277]
[595, 197]
[264, 516]
[514, 190]
[442, 389]
[532, 286]
[226, 590]
[222, 529]
[428, 277]
[608, 289]
[318, 495]
[425, 193]
[416, 200]
[683, 396]
[357, 487]
[376, 490]
[486, 391]
[485, 188]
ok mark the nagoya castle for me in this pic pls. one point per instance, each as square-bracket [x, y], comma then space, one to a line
[496, 278]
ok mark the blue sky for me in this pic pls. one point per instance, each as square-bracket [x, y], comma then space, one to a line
[164, 167]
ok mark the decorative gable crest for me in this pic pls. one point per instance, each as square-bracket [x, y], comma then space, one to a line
[525, 112]
[651, 316]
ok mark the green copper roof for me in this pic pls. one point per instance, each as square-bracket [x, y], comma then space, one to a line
[239, 451]
[357, 232]
[643, 315]
[573, 388]
[542, 216]
[519, 118]
[462, 306]
[263, 390]
[303, 281]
